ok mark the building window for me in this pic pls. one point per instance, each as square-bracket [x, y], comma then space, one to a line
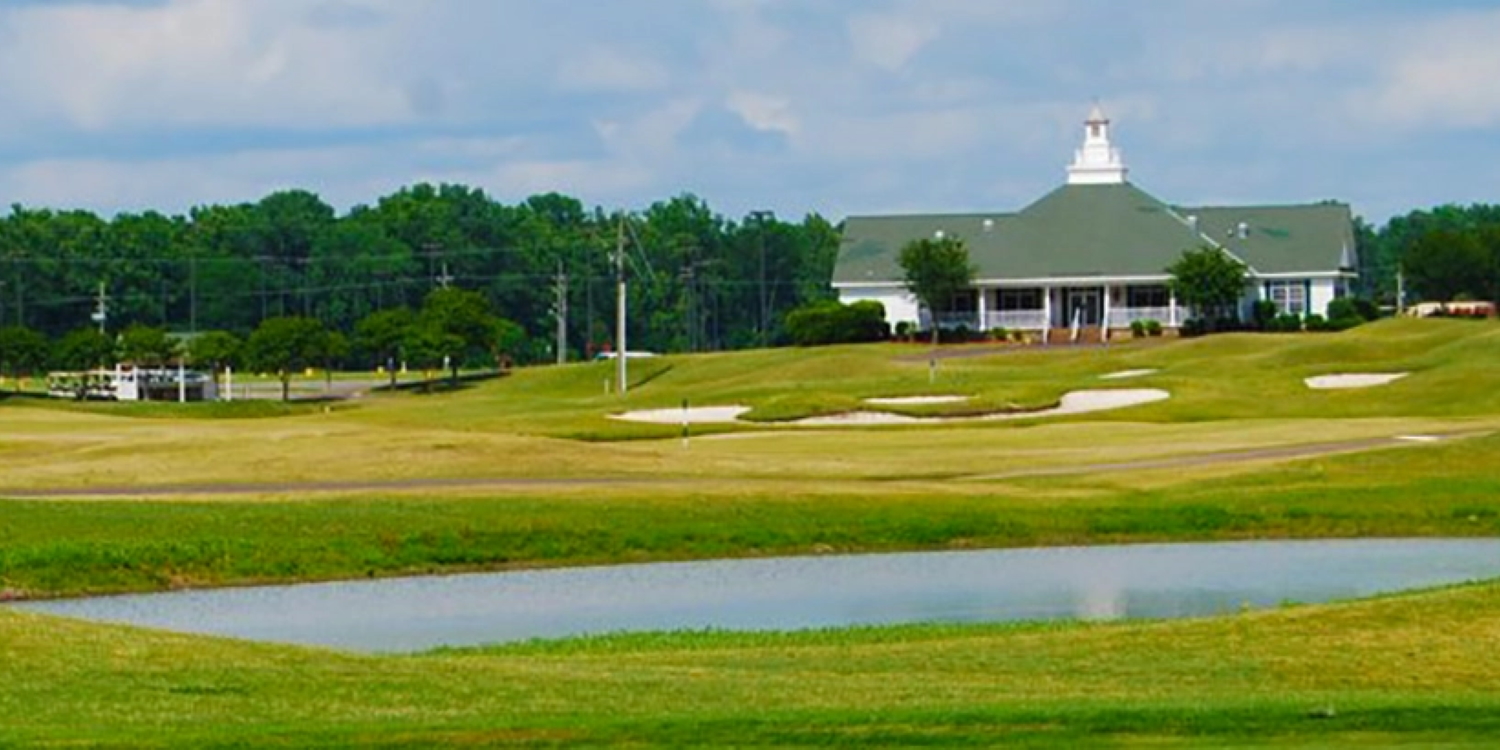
[1137, 297]
[1014, 300]
[966, 301]
[1290, 297]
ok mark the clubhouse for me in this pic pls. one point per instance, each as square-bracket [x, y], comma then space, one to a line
[1092, 254]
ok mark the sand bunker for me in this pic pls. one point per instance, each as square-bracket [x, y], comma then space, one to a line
[1367, 380]
[916, 400]
[1128, 374]
[1078, 402]
[694, 415]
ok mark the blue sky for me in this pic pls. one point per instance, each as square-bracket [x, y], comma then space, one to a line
[836, 106]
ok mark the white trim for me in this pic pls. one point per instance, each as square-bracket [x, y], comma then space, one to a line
[1293, 276]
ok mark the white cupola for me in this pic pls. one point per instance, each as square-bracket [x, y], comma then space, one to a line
[1098, 162]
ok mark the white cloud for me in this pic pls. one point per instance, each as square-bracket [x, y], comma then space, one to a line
[609, 70]
[1445, 75]
[196, 63]
[763, 112]
[890, 40]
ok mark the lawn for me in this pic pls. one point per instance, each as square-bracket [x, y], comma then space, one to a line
[1415, 669]
[529, 470]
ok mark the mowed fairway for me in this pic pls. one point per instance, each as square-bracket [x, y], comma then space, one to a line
[530, 470]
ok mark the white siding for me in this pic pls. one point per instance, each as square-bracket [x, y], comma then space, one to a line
[1322, 296]
[899, 304]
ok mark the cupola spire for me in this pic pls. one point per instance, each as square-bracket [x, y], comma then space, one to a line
[1098, 162]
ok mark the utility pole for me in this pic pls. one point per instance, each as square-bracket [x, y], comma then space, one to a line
[560, 311]
[446, 279]
[621, 350]
[1400, 292]
[760, 234]
[101, 307]
[193, 294]
[689, 279]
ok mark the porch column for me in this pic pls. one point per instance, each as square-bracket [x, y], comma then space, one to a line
[984, 310]
[1171, 308]
[1104, 327]
[1046, 314]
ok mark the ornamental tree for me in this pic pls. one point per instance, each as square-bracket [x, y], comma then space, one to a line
[1210, 281]
[935, 271]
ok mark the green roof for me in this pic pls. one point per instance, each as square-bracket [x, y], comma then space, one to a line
[1283, 239]
[1102, 230]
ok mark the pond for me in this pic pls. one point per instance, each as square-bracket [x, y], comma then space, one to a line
[1095, 583]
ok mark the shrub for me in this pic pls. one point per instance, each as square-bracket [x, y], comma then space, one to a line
[1138, 329]
[1344, 309]
[1263, 315]
[1153, 328]
[1317, 323]
[998, 334]
[1193, 327]
[905, 330]
[1286, 323]
[1367, 309]
[833, 323]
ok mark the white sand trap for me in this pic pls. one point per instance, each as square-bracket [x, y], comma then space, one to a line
[1078, 402]
[1340, 382]
[694, 415]
[1128, 374]
[916, 400]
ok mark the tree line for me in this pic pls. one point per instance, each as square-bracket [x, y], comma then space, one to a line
[1444, 254]
[697, 281]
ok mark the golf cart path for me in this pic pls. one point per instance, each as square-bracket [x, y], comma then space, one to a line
[229, 489]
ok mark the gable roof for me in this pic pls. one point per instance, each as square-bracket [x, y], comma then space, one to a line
[1317, 238]
[1102, 230]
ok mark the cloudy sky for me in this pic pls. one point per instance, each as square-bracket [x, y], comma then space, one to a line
[835, 106]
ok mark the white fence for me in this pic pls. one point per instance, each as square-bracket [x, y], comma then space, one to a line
[1016, 320]
[1122, 317]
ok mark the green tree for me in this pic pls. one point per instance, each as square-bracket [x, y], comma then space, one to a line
[284, 345]
[1445, 265]
[146, 346]
[935, 271]
[467, 323]
[215, 350]
[425, 345]
[1210, 281]
[381, 335]
[84, 349]
[22, 351]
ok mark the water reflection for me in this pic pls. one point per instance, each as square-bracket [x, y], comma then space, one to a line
[1095, 583]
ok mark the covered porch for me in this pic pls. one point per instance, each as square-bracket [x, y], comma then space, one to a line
[1105, 306]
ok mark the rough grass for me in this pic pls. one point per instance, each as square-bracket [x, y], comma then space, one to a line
[1416, 669]
[67, 548]
[1405, 670]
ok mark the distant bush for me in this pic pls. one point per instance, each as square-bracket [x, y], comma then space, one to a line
[1153, 328]
[1317, 324]
[1346, 309]
[1285, 323]
[1138, 329]
[905, 330]
[833, 323]
[956, 335]
[1192, 327]
[1263, 315]
[1367, 309]
[998, 334]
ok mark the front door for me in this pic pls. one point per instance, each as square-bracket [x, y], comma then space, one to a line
[1084, 305]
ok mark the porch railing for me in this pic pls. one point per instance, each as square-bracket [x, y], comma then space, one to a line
[1016, 320]
[1122, 317]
